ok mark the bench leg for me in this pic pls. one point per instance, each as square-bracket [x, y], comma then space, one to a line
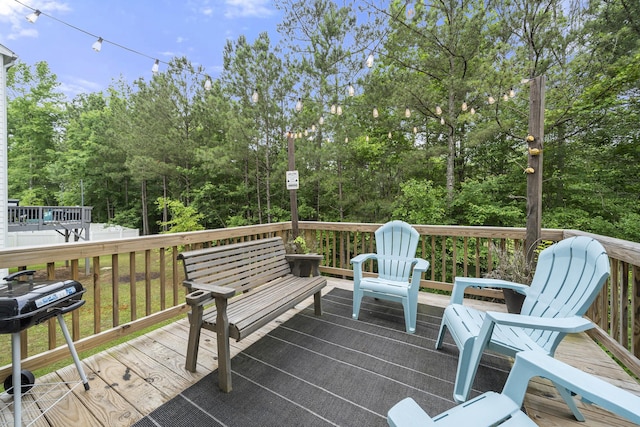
[195, 326]
[317, 303]
[224, 350]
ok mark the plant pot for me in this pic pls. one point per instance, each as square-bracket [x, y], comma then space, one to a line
[513, 300]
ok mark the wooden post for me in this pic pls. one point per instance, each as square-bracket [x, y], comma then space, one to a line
[535, 141]
[293, 195]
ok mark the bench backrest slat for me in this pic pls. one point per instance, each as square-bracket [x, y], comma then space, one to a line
[240, 265]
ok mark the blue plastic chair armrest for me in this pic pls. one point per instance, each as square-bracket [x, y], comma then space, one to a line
[568, 325]
[421, 265]
[408, 413]
[531, 364]
[460, 284]
[358, 259]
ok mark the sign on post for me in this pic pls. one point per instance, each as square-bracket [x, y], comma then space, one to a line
[293, 182]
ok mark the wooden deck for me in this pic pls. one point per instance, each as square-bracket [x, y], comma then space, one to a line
[130, 380]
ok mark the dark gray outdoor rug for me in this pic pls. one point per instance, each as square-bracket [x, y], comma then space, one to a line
[332, 370]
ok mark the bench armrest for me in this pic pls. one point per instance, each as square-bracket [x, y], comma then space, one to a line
[202, 292]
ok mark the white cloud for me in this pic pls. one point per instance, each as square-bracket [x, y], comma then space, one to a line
[248, 8]
[15, 14]
[75, 86]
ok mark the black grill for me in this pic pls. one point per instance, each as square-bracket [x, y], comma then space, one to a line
[25, 303]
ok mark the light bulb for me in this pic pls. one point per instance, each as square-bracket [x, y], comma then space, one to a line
[346, 140]
[492, 100]
[33, 17]
[512, 93]
[339, 110]
[332, 110]
[299, 105]
[255, 97]
[351, 90]
[370, 60]
[366, 138]
[375, 113]
[407, 112]
[438, 110]
[473, 111]
[415, 129]
[321, 120]
[207, 84]
[313, 128]
[441, 120]
[464, 106]
[389, 135]
[505, 97]
[97, 45]
[156, 67]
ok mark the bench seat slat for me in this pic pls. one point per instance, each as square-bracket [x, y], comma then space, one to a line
[286, 292]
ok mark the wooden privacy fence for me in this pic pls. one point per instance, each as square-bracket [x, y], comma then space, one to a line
[136, 283]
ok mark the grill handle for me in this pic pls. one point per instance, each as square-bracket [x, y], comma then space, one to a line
[12, 277]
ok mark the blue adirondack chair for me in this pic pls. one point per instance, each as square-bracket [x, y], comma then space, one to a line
[399, 271]
[568, 277]
[490, 408]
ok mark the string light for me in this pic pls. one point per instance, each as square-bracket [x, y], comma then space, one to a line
[33, 17]
[350, 90]
[505, 97]
[464, 106]
[407, 112]
[492, 100]
[438, 110]
[321, 120]
[375, 112]
[512, 93]
[339, 110]
[442, 120]
[332, 110]
[255, 97]
[97, 45]
[299, 105]
[370, 60]
[156, 67]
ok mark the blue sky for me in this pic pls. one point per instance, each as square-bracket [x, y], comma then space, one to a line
[162, 29]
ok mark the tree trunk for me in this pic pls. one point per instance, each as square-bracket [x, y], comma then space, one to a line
[145, 213]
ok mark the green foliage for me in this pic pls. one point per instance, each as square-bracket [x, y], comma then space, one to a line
[182, 218]
[224, 156]
[488, 202]
[420, 203]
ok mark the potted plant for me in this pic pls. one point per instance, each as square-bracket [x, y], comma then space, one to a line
[301, 261]
[511, 266]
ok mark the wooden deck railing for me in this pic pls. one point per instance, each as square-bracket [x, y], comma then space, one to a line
[136, 283]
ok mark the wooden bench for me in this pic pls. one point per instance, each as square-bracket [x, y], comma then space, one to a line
[259, 273]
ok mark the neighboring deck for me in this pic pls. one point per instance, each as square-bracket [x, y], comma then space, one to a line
[132, 379]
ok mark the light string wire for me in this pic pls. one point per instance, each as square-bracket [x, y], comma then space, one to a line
[104, 40]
